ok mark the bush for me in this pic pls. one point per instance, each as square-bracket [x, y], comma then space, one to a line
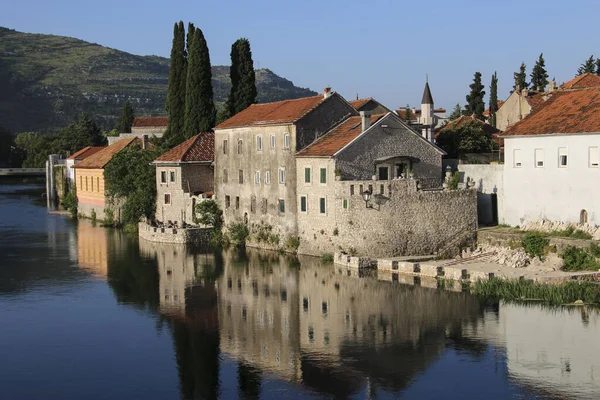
[534, 244]
[327, 258]
[577, 259]
[209, 213]
[595, 250]
[70, 202]
[292, 243]
[93, 216]
[237, 233]
[454, 179]
[109, 217]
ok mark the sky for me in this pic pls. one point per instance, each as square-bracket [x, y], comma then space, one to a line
[379, 48]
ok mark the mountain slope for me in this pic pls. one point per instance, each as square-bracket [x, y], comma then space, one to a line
[45, 80]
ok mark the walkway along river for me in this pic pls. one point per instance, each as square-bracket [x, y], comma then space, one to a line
[91, 313]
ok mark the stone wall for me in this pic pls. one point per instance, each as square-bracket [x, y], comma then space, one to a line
[489, 181]
[197, 236]
[411, 222]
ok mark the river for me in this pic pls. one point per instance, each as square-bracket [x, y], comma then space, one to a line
[88, 312]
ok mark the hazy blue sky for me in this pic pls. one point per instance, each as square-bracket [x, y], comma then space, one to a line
[381, 49]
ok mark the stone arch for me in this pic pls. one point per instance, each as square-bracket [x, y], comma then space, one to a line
[583, 217]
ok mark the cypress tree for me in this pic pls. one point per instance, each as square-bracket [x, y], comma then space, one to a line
[189, 38]
[521, 78]
[125, 118]
[588, 66]
[475, 104]
[243, 80]
[598, 66]
[539, 76]
[456, 112]
[493, 99]
[176, 92]
[200, 113]
[407, 117]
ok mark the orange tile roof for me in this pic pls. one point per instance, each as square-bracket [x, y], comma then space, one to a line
[279, 112]
[575, 111]
[85, 152]
[582, 81]
[401, 112]
[358, 103]
[150, 121]
[458, 122]
[337, 138]
[199, 148]
[535, 100]
[101, 158]
[487, 110]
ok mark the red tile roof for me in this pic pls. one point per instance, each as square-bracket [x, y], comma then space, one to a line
[358, 103]
[535, 100]
[101, 158]
[337, 138]
[85, 152]
[586, 80]
[486, 113]
[575, 111]
[401, 112]
[140, 122]
[458, 122]
[199, 148]
[279, 112]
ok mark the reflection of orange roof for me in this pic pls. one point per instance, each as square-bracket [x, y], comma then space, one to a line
[101, 158]
[85, 152]
[565, 112]
[358, 103]
[337, 138]
[279, 112]
[140, 122]
[198, 148]
[582, 81]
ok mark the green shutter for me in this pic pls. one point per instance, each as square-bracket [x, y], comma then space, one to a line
[322, 205]
[303, 203]
[345, 203]
[323, 175]
[307, 175]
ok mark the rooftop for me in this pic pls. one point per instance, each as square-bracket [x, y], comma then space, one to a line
[139, 122]
[582, 81]
[199, 148]
[276, 113]
[102, 157]
[358, 103]
[458, 122]
[85, 152]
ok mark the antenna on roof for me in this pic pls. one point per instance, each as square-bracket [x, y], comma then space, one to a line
[356, 96]
[426, 78]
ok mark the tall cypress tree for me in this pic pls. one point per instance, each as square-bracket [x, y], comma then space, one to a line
[125, 118]
[189, 38]
[598, 66]
[475, 104]
[521, 78]
[243, 80]
[539, 76]
[493, 99]
[176, 92]
[200, 111]
[588, 66]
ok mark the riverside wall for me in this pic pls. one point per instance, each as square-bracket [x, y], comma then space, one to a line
[196, 236]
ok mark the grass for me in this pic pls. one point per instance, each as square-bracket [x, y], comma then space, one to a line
[519, 290]
[570, 232]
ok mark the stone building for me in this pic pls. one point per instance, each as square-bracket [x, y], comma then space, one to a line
[184, 177]
[255, 165]
[518, 105]
[369, 104]
[150, 126]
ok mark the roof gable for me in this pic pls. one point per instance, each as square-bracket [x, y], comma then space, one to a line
[85, 152]
[582, 81]
[101, 158]
[358, 103]
[199, 148]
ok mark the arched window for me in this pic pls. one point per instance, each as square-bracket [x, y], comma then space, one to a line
[583, 217]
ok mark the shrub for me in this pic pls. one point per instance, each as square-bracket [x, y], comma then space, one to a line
[238, 232]
[577, 259]
[595, 250]
[579, 234]
[352, 251]
[109, 217]
[209, 213]
[336, 231]
[274, 238]
[327, 258]
[292, 243]
[70, 202]
[454, 179]
[130, 228]
[93, 216]
[534, 244]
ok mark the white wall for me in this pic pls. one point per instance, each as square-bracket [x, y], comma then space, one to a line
[553, 193]
[488, 180]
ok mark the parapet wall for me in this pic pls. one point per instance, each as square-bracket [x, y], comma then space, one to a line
[197, 236]
[409, 222]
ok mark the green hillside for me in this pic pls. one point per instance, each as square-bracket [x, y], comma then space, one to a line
[45, 80]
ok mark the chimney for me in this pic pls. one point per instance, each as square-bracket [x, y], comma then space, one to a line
[524, 92]
[326, 92]
[552, 87]
[144, 142]
[365, 117]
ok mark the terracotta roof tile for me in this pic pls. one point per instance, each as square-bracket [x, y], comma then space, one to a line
[101, 158]
[575, 111]
[85, 152]
[587, 80]
[199, 148]
[401, 112]
[358, 103]
[487, 128]
[486, 113]
[535, 100]
[337, 138]
[279, 112]
[140, 122]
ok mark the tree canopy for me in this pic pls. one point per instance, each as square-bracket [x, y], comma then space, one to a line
[467, 136]
[243, 80]
[125, 118]
[493, 99]
[588, 66]
[539, 75]
[456, 112]
[475, 104]
[177, 86]
[521, 78]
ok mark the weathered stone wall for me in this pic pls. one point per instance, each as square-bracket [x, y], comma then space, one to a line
[197, 236]
[412, 222]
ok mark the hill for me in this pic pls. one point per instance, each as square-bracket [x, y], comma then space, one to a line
[45, 80]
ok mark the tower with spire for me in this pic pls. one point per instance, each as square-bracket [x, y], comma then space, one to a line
[427, 118]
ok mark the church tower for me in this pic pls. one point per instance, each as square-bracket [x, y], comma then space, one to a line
[427, 117]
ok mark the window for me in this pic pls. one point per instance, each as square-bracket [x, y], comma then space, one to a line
[237, 202]
[383, 173]
[163, 176]
[225, 175]
[322, 209]
[380, 189]
[539, 158]
[259, 143]
[92, 183]
[351, 190]
[241, 176]
[282, 176]
[225, 146]
[172, 176]
[267, 177]
[286, 141]
[517, 158]
[167, 198]
[240, 146]
[81, 182]
[562, 157]
[227, 201]
[98, 183]
[253, 204]
[303, 203]
[257, 177]
[264, 206]
[345, 204]
[360, 189]
[273, 141]
[86, 183]
[306, 175]
[281, 205]
[594, 157]
[323, 175]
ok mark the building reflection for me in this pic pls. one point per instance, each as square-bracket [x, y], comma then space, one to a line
[92, 248]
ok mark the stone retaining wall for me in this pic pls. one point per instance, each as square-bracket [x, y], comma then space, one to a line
[197, 236]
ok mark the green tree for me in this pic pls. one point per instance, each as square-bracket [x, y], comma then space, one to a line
[598, 66]
[125, 118]
[200, 112]
[209, 213]
[407, 116]
[189, 38]
[243, 80]
[82, 132]
[588, 66]
[493, 99]
[475, 104]
[176, 91]
[539, 75]
[466, 137]
[456, 112]
[521, 78]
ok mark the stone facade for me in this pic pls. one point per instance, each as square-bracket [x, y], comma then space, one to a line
[196, 236]
[411, 222]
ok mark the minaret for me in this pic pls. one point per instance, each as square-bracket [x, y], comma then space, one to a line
[426, 118]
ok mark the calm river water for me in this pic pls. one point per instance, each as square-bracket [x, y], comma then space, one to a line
[86, 312]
